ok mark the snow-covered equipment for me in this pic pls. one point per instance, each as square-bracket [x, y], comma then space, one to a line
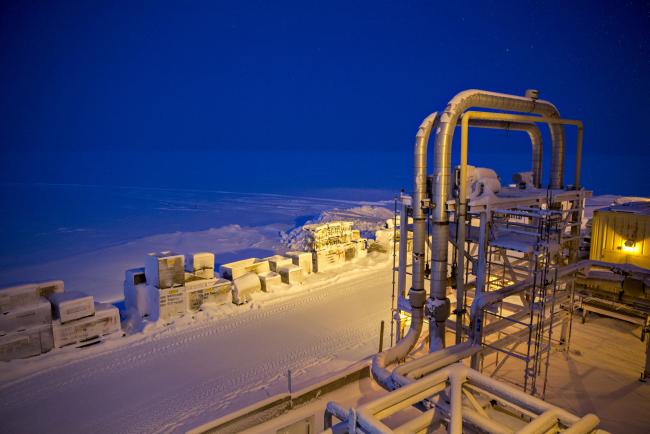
[234, 270]
[165, 269]
[523, 179]
[25, 317]
[291, 274]
[105, 321]
[171, 303]
[481, 182]
[360, 248]
[23, 295]
[219, 293]
[270, 280]
[200, 264]
[332, 244]
[31, 341]
[277, 261]
[621, 234]
[244, 286]
[303, 259]
[139, 297]
[194, 290]
[71, 305]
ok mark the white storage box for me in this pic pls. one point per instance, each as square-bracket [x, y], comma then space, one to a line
[193, 299]
[291, 274]
[220, 293]
[234, 270]
[165, 270]
[23, 295]
[200, 264]
[278, 261]
[303, 260]
[172, 302]
[26, 343]
[244, 286]
[142, 299]
[326, 260]
[69, 306]
[24, 317]
[45, 289]
[194, 289]
[361, 246]
[270, 280]
[105, 321]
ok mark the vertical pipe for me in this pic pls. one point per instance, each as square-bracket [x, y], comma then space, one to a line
[381, 336]
[460, 238]
[417, 294]
[455, 402]
[403, 245]
[646, 371]
[482, 254]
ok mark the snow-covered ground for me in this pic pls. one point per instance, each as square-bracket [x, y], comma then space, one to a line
[174, 377]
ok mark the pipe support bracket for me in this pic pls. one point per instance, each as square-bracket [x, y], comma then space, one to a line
[438, 309]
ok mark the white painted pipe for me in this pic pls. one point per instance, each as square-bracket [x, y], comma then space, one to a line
[542, 423]
[586, 425]
[519, 397]
[456, 379]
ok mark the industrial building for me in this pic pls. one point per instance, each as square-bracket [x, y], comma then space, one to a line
[496, 276]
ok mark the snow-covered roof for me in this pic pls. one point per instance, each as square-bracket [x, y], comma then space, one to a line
[641, 208]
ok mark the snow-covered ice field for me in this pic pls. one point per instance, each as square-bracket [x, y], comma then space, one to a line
[172, 378]
[89, 235]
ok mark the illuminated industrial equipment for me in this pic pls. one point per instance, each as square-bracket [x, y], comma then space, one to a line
[495, 266]
[620, 234]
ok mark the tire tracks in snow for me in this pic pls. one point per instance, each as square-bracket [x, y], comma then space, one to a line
[135, 354]
[219, 394]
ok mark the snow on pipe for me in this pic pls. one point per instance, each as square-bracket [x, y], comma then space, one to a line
[535, 139]
[419, 204]
[369, 415]
[399, 351]
[336, 410]
[442, 178]
[422, 366]
[417, 294]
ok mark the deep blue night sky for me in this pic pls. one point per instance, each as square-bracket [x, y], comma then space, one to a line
[281, 96]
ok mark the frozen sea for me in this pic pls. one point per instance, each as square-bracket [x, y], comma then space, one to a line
[88, 235]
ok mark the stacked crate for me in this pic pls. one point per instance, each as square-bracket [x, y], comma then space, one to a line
[303, 260]
[26, 320]
[165, 273]
[78, 320]
[171, 285]
[333, 244]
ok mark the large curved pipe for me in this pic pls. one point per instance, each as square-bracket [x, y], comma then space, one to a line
[439, 303]
[535, 140]
[420, 199]
[417, 294]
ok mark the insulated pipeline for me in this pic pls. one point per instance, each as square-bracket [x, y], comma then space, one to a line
[442, 184]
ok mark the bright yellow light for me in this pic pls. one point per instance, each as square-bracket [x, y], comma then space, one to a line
[630, 247]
